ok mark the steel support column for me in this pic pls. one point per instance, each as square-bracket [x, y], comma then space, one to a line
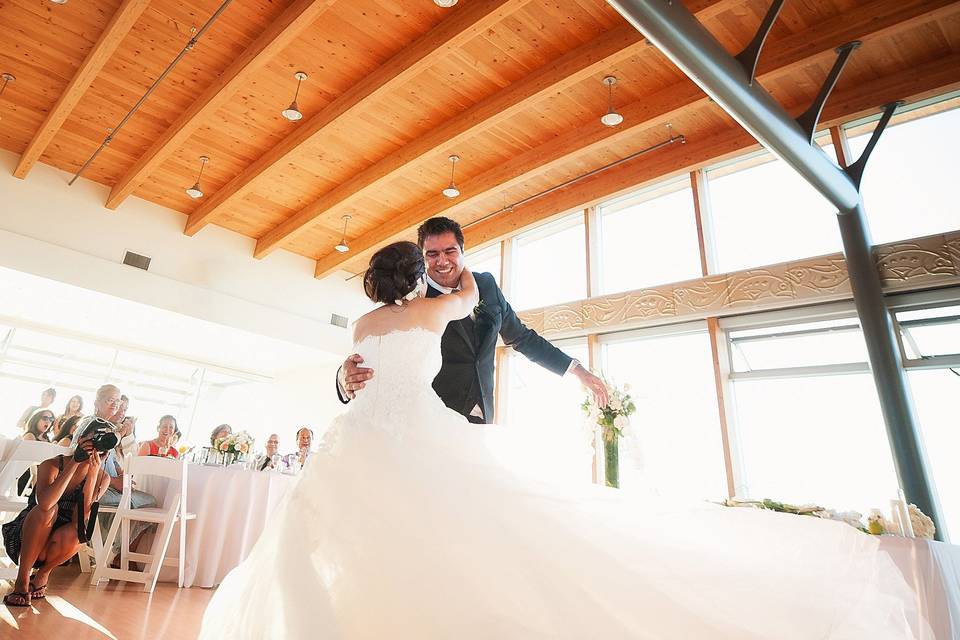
[674, 30]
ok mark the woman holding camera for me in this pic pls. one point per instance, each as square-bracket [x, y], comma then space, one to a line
[56, 521]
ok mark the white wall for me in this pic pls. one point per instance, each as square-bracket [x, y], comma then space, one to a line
[64, 233]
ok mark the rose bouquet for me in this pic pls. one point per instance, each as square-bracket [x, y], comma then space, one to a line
[234, 446]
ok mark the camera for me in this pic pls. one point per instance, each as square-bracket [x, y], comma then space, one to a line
[102, 434]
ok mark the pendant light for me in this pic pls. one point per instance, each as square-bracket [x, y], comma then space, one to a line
[446, 4]
[292, 113]
[342, 247]
[452, 191]
[7, 79]
[611, 118]
[195, 191]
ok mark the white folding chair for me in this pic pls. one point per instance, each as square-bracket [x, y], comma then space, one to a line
[25, 454]
[172, 511]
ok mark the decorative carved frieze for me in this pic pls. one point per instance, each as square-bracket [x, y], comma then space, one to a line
[919, 263]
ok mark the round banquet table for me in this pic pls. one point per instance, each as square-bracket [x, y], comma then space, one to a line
[233, 506]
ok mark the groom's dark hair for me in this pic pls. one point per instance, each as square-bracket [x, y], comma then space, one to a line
[438, 226]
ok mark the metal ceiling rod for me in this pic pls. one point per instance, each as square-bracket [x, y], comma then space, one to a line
[674, 30]
[186, 49]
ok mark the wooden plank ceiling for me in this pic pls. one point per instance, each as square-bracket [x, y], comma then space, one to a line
[394, 87]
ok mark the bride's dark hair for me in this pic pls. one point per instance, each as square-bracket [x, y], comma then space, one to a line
[394, 271]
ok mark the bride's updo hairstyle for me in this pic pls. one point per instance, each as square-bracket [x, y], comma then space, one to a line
[394, 271]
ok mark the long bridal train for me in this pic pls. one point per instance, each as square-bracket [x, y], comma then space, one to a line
[406, 527]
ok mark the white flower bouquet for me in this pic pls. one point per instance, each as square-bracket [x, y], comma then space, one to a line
[610, 421]
[236, 445]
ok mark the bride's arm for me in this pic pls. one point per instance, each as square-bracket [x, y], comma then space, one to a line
[458, 305]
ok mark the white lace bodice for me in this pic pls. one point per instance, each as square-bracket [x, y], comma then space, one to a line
[405, 364]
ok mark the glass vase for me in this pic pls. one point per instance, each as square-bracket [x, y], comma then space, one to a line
[611, 461]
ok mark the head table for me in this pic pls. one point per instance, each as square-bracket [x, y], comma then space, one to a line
[233, 505]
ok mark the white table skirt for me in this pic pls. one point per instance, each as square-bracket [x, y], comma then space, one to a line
[232, 505]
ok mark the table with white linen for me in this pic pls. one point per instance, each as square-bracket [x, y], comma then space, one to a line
[233, 505]
[932, 569]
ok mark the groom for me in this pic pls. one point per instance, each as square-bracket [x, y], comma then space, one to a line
[468, 347]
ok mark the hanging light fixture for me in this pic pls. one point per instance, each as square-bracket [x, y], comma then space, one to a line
[7, 79]
[446, 4]
[59, 1]
[611, 118]
[342, 247]
[292, 113]
[452, 191]
[195, 191]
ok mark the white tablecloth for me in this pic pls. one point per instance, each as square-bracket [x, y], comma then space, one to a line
[232, 507]
[933, 570]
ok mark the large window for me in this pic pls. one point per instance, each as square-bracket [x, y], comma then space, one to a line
[649, 238]
[32, 360]
[931, 344]
[808, 420]
[764, 213]
[909, 184]
[486, 260]
[546, 409]
[676, 430]
[550, 264]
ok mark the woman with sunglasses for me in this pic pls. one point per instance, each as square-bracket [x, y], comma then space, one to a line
[56, 520]
[39, 425]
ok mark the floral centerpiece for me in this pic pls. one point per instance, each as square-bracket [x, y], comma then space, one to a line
[234, 446]
[920, 525]
[610, 421]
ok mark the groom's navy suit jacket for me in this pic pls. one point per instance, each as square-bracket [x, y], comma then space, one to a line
[468, 351]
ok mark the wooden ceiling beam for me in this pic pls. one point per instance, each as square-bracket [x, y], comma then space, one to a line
[596, 56]
[297, 18]
[926, 81]
[864, 23]
[466, 22]
[113, 34]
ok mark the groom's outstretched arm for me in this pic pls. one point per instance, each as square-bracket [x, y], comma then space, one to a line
[521, 338]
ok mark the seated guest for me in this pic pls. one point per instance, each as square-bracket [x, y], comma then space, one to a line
[64, 435]
[221, 431]
[50, 530]
[128, 436]
[74, 408]
[107, 406]
[162, 445]
[266, 460]
[46, 399]
[296, 460]
[38, 425]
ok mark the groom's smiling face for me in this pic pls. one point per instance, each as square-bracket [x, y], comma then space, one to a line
[444, 259]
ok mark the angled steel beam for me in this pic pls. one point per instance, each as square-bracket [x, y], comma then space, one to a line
[672, 28]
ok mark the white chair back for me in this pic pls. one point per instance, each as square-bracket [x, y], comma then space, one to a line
[166, 480]
[24, 455]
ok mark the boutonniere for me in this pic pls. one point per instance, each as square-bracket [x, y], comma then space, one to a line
[480, 308]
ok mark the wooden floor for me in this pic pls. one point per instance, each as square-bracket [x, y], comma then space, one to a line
[73, 610]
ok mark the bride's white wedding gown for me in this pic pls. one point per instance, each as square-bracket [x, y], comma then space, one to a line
[405, 526]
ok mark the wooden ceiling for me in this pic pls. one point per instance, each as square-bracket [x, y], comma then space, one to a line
[395, 86]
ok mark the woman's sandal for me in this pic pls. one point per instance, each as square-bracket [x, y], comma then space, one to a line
[24, 599]
[38, 593]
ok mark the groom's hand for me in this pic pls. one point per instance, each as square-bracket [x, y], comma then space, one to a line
[593, 384]
[353, 376]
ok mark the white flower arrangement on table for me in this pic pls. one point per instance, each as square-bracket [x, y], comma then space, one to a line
[877, 524]
[612, 419]
[239, 443]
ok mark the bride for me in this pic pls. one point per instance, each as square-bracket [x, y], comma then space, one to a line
[406, 526]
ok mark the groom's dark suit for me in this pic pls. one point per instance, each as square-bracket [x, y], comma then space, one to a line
[468, 350]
